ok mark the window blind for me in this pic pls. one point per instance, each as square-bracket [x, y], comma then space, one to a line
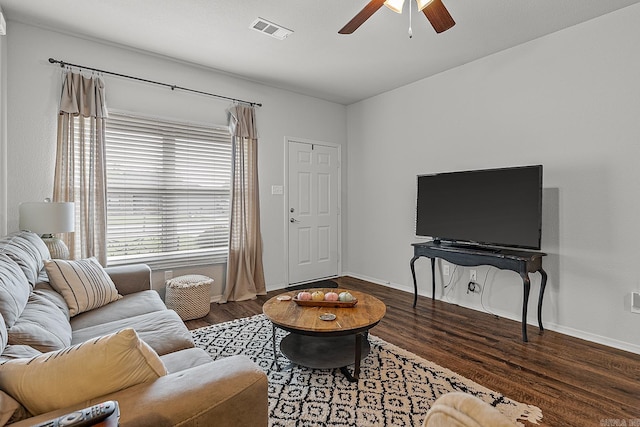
[168, 192]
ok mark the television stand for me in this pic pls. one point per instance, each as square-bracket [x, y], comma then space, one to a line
[522, 262]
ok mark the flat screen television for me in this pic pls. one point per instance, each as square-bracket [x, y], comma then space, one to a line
[489, 207]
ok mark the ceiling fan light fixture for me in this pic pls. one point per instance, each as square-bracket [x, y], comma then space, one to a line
[423, 3]
[395, 5]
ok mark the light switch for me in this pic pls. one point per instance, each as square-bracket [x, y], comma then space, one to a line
[276, 189]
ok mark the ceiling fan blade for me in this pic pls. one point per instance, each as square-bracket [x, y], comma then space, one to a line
[362, 16]
[439, 16]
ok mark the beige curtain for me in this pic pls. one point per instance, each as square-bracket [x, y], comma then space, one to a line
[80, 174]
[245, 274]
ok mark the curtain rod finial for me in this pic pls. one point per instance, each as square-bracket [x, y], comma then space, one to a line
[53, 61]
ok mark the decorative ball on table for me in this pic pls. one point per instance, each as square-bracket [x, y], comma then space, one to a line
[345, 296]
[331, 296]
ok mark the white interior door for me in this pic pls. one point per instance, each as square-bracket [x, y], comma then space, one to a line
[313, 196]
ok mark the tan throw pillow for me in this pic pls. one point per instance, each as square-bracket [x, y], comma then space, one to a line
[77, 374]
[84, 284]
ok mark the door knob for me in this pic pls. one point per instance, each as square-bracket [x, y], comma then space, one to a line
[293, 220]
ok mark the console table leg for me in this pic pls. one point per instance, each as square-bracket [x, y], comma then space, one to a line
[525, 302]
[543, 285]
[415, 284]
[433, 278]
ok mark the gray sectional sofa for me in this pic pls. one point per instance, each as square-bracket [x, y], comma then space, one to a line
[36, 319]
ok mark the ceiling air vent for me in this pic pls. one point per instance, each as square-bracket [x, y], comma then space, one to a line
[271, 29]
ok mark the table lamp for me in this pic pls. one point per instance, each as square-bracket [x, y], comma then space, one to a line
[46, 218]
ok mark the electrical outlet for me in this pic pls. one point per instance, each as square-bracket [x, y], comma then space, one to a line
[168, 274]
[445, 269]
[472, 275]
[635, 302]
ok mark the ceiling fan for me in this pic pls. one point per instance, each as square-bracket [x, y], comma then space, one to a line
[434, 10]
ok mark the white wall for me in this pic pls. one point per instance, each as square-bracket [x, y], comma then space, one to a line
[34, 87]
[569, 101]
[3, 134]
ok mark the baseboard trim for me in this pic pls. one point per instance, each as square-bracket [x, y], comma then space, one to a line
[572, 332]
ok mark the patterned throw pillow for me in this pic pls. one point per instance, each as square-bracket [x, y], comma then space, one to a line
[84, 284]
[80, 373]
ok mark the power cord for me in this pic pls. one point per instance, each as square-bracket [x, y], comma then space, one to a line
[448, 285]
[473, 287]
[482, 293]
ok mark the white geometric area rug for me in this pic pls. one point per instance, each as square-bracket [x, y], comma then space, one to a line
[396, 387]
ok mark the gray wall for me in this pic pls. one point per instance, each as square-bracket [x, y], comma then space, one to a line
[3, 134]
[569, 101]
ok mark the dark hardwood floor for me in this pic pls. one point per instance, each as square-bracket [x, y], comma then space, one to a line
[574, 382]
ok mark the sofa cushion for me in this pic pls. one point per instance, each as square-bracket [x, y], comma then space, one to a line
[4, 336]
[42, 326]
[14, 290]
[163, 330]
[8, 408]
[130, 278]
[130, 305]
[80, 373]
[83, 283]
[18, 352]
[185, 359]
[28, 250]
[52, 295]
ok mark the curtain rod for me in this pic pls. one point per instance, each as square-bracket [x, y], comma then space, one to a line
[173, 87]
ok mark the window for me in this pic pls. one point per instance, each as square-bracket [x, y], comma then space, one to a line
[168, 192]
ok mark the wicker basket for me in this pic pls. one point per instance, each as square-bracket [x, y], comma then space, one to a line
[189, 296]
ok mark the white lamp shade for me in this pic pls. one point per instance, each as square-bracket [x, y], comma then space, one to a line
[395, 5]
[47, 217]
[423, 3]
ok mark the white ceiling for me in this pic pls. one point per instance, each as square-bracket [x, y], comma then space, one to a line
[315, 60]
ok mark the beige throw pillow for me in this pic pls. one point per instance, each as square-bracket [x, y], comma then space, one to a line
[81, 372]
[84, 284]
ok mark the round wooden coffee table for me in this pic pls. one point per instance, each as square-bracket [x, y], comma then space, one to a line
[324, 344]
